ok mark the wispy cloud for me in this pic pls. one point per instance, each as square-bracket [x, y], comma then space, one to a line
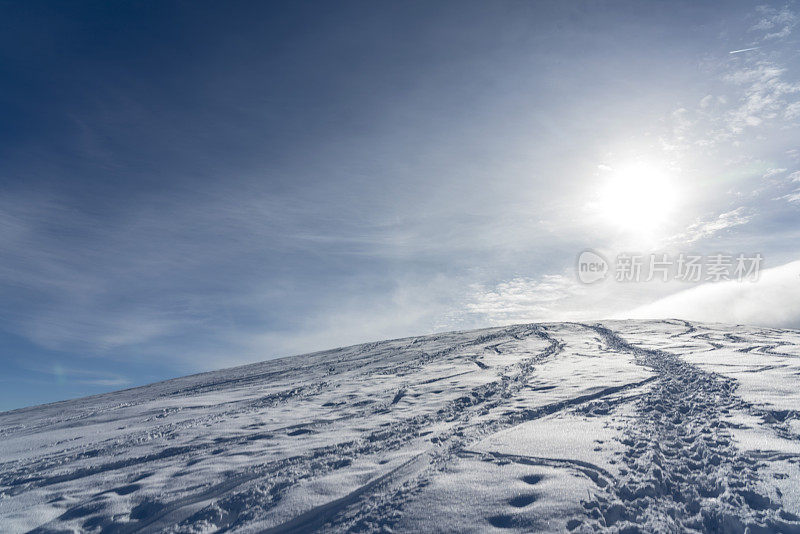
[757, 91]
[551, 297]
[772, 173]
[793, 197]
[706, 228]
[766, 95]
[520, 299]
[75, 376]
[775, 23]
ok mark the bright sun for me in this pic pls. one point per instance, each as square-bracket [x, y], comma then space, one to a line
[638, 198]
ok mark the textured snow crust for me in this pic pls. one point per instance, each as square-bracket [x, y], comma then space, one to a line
[625, 426]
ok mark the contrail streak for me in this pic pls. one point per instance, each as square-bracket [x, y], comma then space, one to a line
[744, 50]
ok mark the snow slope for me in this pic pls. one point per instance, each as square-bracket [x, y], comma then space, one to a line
[665, 426]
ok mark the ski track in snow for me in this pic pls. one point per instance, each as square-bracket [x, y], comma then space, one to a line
[625, 426]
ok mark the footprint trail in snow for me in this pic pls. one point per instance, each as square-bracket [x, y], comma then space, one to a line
[661, 426]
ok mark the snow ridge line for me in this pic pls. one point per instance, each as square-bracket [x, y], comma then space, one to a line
[683, 472]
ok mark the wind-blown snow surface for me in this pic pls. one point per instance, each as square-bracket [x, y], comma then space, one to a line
[664, 426]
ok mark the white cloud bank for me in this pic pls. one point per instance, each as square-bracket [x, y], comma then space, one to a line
[774, 300]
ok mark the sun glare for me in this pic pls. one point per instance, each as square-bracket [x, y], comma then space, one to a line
[638, 198]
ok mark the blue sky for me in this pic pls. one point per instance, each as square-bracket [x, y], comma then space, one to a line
[190, 185]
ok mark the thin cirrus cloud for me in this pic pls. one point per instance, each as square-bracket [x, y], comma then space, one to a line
[793, 196]
[707, 228]
[775, 23]
[756, 87]
[522, 299]
[767, 95]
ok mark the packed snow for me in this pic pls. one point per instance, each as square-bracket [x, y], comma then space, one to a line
[654, 426]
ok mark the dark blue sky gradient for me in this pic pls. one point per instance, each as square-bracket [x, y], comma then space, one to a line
[192, 185]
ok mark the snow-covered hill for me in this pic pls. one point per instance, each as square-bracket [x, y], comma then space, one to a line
[668, 426]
